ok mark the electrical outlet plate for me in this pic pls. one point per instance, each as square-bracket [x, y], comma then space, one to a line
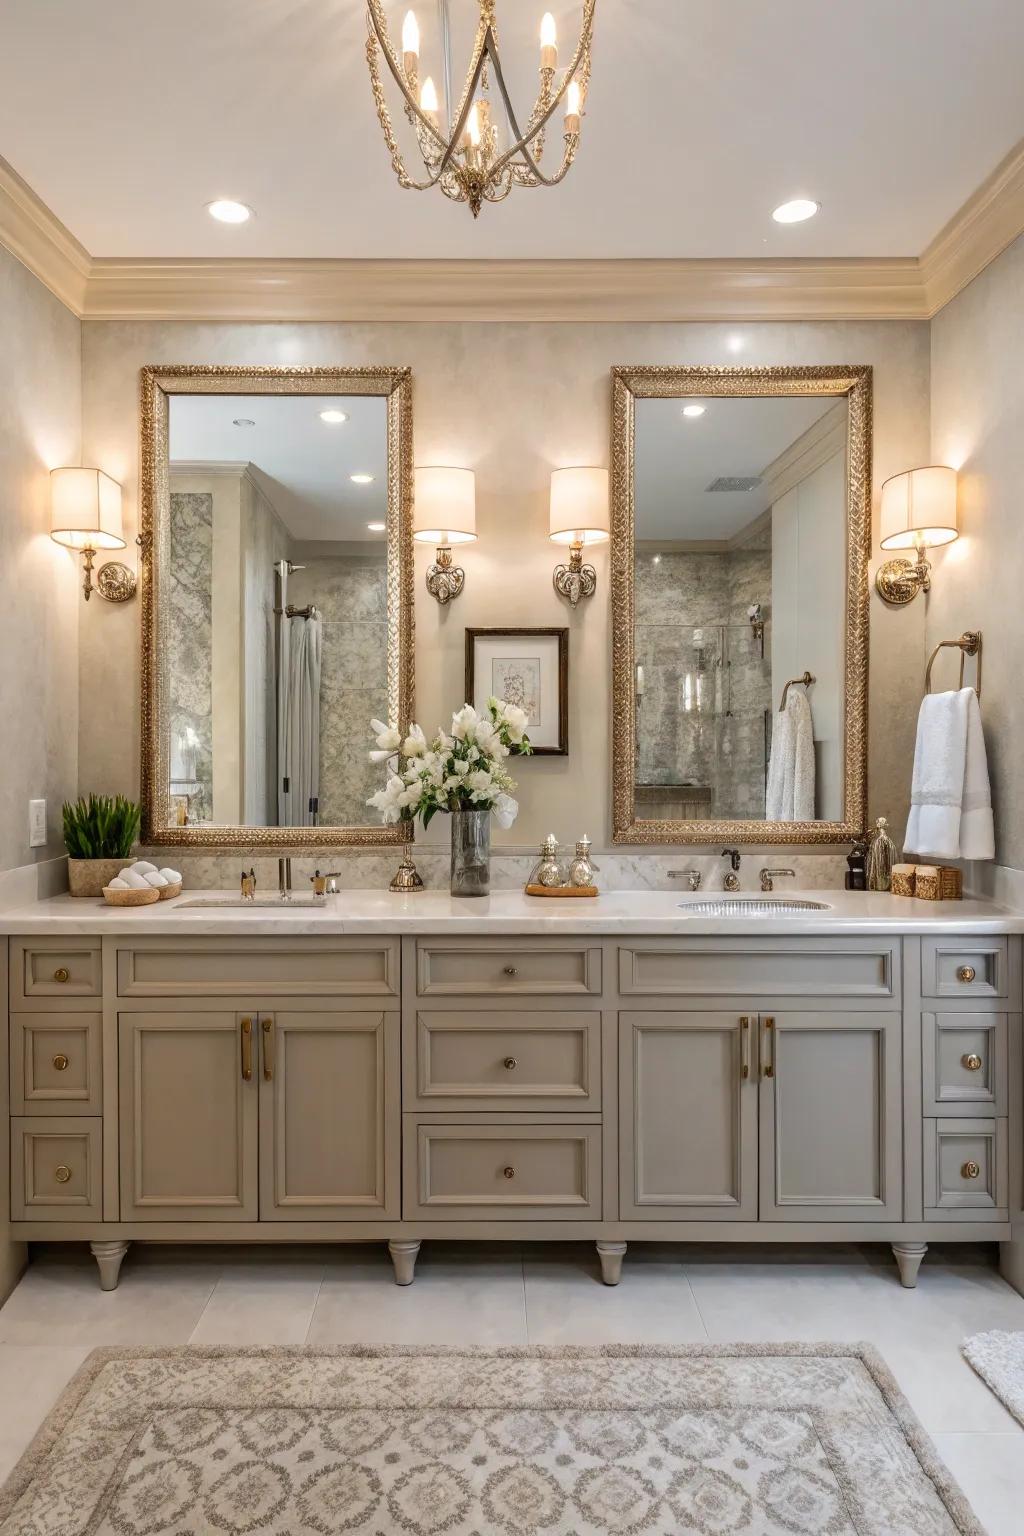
[37, 823]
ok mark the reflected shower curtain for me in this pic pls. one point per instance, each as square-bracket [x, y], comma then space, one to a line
[299, 724]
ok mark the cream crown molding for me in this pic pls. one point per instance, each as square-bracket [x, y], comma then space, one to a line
[889, 288]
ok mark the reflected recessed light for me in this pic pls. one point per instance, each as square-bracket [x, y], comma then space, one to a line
[694, 410]
[226, 211]
[243, 421]
[335, 418]
[376, 527]
[796, 211]
[734, 343]
[361, 479]
[655, 559]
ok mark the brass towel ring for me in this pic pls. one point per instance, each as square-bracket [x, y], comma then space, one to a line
[969, 644]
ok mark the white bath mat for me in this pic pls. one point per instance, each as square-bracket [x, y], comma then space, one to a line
[998, 1358]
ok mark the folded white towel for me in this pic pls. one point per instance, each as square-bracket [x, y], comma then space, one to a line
[950, 801]
[171, 876]
[790, 791]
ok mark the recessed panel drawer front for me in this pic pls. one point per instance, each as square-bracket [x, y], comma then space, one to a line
[515, 968]
[55, 1169]
[268, 968]
[966, 1169]
[964, 1059]
[760, 968]
[508, 1060]
[491, 1172]
[56, 1063]
[56, 971]
[963, 968]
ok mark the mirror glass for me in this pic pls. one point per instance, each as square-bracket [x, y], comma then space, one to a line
[274, 607]
[740, 570]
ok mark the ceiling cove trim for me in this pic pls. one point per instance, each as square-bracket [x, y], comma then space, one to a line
[892, 288]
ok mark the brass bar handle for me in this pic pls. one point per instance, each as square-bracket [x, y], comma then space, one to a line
[769, 1030]
[247, 1050]
[745, 1046]
[267, 1026]
[966, 974]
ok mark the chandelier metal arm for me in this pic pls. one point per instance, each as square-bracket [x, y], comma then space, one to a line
[523, 141]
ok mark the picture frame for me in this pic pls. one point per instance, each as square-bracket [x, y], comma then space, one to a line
[528, 667]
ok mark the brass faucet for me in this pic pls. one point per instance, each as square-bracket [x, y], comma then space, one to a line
[691, 876]
[770, 875]
[248, 885]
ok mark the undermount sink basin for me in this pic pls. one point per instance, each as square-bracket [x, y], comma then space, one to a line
[752, 906]
[265, 903]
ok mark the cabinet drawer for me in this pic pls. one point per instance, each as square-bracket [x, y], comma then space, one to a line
[56, 1063]
[966, 1172]
[54, 968]
[814, 968]
[964, 1059]
[55, 1169]
[515, 968]
[269, 968]
[963, 968]
[525, 1171]
[507, 1060]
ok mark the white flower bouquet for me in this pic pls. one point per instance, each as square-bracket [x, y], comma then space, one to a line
[461, 770]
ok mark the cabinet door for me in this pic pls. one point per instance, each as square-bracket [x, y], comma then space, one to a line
[188, 1116]
[329, 1116]
[689, 1117]
[831, 1123]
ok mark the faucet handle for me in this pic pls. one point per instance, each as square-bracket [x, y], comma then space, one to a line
[693, 877]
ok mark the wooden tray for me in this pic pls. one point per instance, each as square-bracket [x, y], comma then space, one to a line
[134, 896]
[561, 890]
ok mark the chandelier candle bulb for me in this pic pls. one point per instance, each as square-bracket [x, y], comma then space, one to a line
[572, 113]
[410, 46]
[428, 100]
[548, 42]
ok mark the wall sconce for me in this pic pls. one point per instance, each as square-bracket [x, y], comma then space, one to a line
[578, 516]
[85, 515]
[918, 512]
[445, 514]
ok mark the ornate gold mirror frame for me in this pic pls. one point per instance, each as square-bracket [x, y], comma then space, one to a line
[158, 384]
[632, 383]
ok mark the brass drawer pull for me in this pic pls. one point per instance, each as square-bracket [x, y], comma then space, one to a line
[510, 1063]
[247, 1050]
[509, 1172]
[972, 1061]
[267, 1025]
[510, 970]
[769, 1065]
[970, 1170]
[62, 974]
[745, 1046]
[61, 1062]
[966, 974]
[62, 1173]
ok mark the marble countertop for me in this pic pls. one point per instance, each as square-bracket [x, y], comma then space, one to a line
[434, 912]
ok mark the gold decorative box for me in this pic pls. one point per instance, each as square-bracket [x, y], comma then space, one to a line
[903, 879]
[926, 882]
[951, 883]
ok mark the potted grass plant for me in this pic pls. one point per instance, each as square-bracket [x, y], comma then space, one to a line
[99, 831]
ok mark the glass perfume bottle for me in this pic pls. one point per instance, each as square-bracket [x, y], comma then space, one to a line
[582, 870]
[548, 869]
[881, 857]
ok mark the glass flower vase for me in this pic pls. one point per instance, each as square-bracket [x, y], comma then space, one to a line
[471, 853]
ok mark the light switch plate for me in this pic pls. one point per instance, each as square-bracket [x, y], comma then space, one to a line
[37, 823]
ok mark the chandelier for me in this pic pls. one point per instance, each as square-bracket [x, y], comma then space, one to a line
[463, 152]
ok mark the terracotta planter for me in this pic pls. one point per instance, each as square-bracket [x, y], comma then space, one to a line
[87, 877]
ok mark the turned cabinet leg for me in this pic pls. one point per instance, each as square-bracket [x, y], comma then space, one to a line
[908, 1257]
[611, 1256]
[403, 1257]
[108, 1256]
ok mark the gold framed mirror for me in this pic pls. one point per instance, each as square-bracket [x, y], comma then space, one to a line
[277, 600]
[741, 519]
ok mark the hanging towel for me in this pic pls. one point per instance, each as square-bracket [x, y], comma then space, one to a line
[790, 792]
[950, 801]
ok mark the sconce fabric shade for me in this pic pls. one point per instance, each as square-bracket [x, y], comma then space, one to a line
[579, 505]
[445, 511]
[85, 509]
[919, 507]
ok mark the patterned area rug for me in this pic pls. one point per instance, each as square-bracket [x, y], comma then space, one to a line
[765, 1439]
[998, 1358]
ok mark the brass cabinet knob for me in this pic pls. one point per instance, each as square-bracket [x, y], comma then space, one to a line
[510, 1063]
[970, 1170]
[509, 1172]
[972, 1061]
[62, 974]
[60, 1062]
[966, 973]
[62, 1173]
[510, 970]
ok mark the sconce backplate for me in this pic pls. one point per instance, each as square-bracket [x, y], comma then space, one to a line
[898, 582]
[116, 582]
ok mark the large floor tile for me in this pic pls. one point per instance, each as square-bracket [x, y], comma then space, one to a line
[466, 1298]
[32, 1377]
[990, 1471]
[59, 1301]
[567, 1303]
[264, 1303]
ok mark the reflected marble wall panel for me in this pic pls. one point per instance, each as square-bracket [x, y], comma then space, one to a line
[265, 540]
[190, 648]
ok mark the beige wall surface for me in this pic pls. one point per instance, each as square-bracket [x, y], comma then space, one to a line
[40, 427]
[512, 402]
[978, 427]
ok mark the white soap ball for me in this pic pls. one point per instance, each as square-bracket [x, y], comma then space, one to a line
[171, 876]
[154, 877]
[143, 866]
[134, 879]
[117, 884]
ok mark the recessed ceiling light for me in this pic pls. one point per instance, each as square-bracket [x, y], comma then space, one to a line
[243, 421]
[694, 410]
[796, 211]
[361, 479]
[334, 418]
[376, 527]
[226, 211]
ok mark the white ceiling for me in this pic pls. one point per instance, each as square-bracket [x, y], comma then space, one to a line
[304, 464]
[677, 458]
[127, 118]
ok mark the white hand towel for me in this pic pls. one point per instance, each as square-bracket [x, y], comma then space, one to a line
[950, 801]
[790, 791]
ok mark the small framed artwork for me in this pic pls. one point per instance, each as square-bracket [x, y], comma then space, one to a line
[528, 667]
